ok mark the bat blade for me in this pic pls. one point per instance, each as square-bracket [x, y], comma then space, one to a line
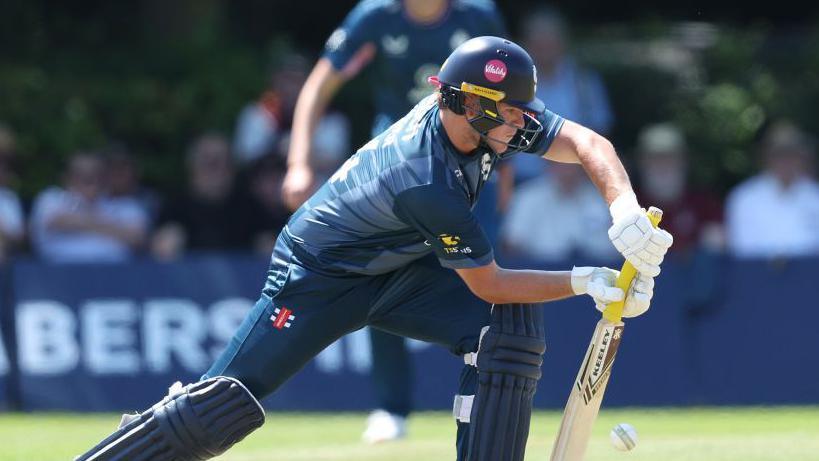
[590, 385]
[587, 393]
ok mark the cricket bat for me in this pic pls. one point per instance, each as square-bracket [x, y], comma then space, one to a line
[590, 385]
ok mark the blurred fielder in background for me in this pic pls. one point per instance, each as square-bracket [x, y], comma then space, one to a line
[390, 241]
[403, 43]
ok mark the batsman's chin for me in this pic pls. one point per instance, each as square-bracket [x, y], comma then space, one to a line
[499, 146]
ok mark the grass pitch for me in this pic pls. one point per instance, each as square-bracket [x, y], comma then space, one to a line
[708, 434]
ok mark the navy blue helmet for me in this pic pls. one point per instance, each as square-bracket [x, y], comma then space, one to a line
[496, 70]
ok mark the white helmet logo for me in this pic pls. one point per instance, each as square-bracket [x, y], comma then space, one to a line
[495, 71]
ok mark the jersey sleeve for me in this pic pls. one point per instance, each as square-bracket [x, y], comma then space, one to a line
[551, 123]
[445, 220]
[358, 28]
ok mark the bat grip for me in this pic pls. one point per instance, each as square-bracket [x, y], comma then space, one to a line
[614, 311]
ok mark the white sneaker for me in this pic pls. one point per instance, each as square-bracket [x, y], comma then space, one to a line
[383, 426]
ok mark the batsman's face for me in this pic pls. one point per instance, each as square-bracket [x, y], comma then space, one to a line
[513, 121]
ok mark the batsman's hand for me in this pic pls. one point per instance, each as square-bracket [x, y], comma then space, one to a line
[297, 185]
[643, 245]
[600, 284]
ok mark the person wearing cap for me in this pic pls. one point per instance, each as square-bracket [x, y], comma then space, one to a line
[693, 217]
[390, 241]
[776, 212]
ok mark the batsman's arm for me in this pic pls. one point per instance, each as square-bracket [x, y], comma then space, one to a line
[497, 285]
[575, 143]
[631, 232]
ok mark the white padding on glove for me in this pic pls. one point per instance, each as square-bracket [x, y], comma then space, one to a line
[599, 283]
[635, 238]
[638, 297]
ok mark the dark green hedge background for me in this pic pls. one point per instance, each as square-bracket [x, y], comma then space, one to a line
[152, 74]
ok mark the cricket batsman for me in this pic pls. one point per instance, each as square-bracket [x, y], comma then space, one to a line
[402, 43]
[390, 241]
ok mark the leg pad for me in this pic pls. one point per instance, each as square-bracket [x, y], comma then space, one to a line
[508, 363]
[193, 423]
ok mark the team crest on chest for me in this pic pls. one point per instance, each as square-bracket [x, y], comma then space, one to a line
[395, 45]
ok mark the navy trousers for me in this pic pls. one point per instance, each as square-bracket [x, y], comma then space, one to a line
[392, 372]
[302, 311]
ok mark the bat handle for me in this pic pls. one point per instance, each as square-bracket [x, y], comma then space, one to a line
[614, 311]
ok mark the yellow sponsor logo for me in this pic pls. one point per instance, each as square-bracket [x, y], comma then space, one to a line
[495, 95]
[449, 240]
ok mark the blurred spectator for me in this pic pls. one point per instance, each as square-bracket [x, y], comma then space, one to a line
[557, 217]
[78, 223]
[568, 89]
[210, 215]
[11, 212]
[264, 125]
[776, 213]
[693, 217]
[122, 181]
[269, 213]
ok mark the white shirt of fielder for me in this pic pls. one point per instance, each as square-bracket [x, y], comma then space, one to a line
[258, 133]
[766, 220]
[76, 247]
[545, 224]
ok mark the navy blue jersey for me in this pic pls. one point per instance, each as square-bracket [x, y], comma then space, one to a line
[402, 195]
[407, 52]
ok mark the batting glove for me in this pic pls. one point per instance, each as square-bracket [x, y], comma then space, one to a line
[635, 238]
[638, 298]
[599, 283]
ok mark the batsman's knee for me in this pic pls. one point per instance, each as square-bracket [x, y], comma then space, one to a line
[512, 349]
[192, 423]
